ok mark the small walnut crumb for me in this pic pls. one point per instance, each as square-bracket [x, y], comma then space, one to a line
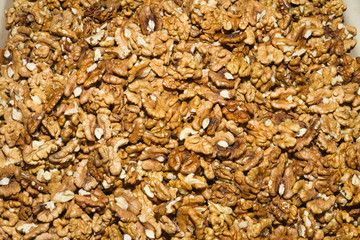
[16, 115]
[31, 66]
[97, 55]
[150, 233]
[268, 123]
[281, 189]
[122, 203]
[228, 76]
[151, 25]
[77, 91]
[308, 33]
[127, 237]
[223, 144]
[148, 191]
[4, 181]
[50, 205]
[91, 67]
[99, 133]
[225, 94]
[10, 72]
[205, 123]
[302, 132]
[355, 180]
[7, 53]
[26, 227]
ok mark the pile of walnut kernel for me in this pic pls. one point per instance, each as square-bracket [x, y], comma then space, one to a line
[170, 119]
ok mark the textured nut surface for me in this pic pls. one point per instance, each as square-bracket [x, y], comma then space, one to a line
[169, 119]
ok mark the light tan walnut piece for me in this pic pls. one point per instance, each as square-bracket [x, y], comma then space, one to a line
[268, 54]
[40, 155]
[198, 144]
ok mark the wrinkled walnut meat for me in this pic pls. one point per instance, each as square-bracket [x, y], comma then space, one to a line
[169, 119]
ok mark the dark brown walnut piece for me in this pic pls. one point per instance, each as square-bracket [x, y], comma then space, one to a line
[150, 18]
[184, 161]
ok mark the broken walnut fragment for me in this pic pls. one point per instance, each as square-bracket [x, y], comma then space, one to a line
[168, 119]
